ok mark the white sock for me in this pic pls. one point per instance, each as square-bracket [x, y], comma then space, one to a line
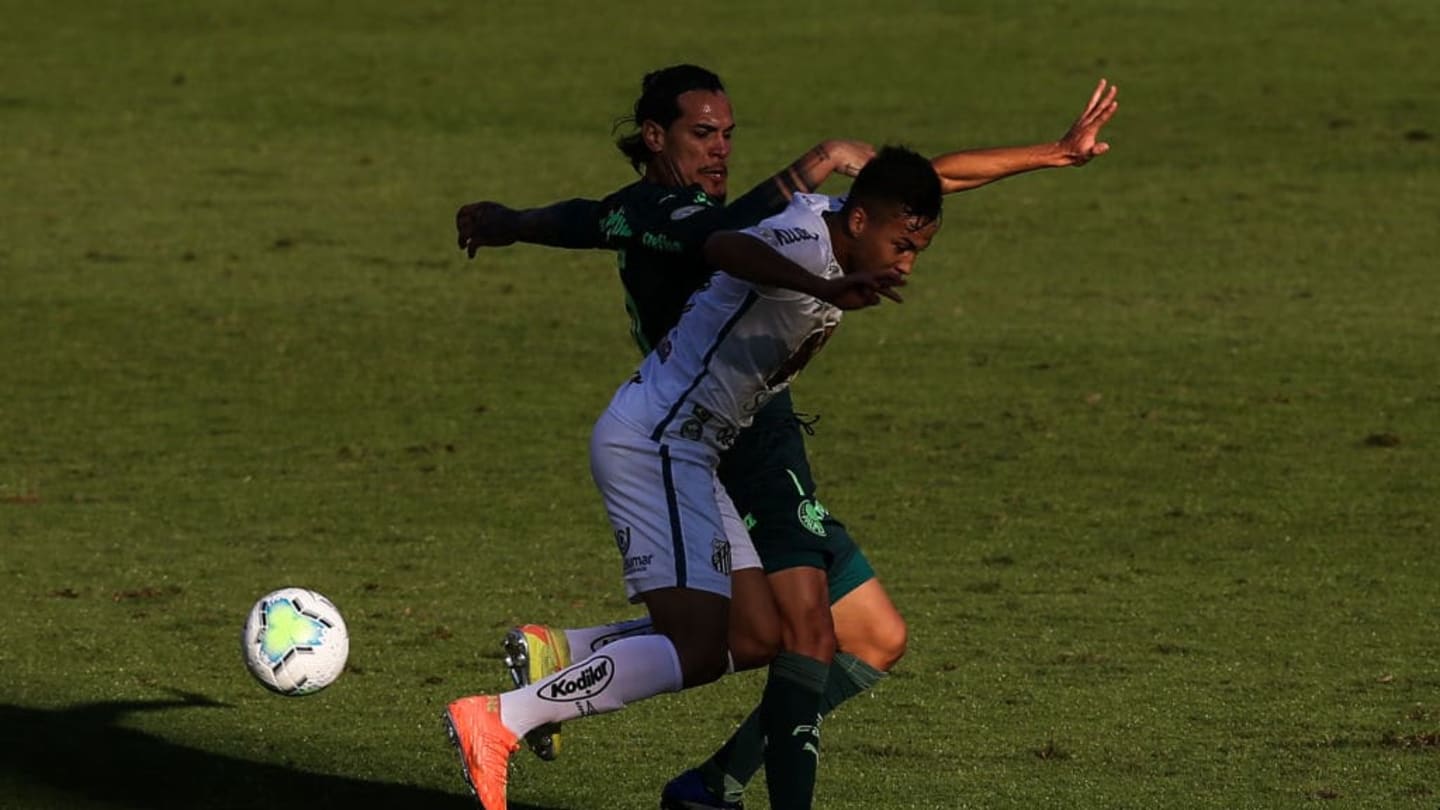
[628, 670]
[592, 639]
[586, 640]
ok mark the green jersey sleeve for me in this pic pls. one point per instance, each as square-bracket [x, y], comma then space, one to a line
[677, 220]
[569, 224]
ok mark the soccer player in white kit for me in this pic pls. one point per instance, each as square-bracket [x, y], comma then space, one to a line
[655, 450]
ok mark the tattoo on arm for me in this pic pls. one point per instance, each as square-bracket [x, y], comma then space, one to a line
[789, 181]
[771, 195]
[799, 176]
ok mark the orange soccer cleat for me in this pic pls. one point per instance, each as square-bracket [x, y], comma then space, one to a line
[485, 746]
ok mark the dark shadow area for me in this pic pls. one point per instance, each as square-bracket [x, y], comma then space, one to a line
[82, 750]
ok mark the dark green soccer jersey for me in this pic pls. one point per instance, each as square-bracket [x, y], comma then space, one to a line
[657, 233]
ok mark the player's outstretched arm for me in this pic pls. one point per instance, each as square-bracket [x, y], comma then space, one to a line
[803, 175]
[815, 166]
[960, 171]
[751, 259]
[568, 224]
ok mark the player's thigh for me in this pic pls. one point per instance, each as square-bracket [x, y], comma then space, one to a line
[739, 547]
[754, 623]
[789, 526]
[869, 626]
[662, 506]
[802, 595]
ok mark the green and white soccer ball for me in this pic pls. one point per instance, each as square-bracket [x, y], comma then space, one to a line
[295, 641]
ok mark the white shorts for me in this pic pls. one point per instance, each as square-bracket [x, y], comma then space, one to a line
[674, 524]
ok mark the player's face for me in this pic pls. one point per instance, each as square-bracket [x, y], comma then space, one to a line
[696, 146]
[891, 240]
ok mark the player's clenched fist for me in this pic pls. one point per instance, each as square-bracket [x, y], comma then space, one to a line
[484, 224]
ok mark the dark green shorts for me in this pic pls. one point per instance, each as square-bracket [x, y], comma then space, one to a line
[770, 482]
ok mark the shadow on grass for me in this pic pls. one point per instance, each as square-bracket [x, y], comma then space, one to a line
[81, 750]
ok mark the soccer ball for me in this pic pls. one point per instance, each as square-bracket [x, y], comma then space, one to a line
[295, 641]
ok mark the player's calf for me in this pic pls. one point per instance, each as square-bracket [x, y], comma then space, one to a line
[870, 627]
[696, 623]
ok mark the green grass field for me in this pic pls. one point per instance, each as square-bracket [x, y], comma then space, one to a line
[1150, 457]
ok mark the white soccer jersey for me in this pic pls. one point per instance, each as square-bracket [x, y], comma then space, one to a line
[737, 344]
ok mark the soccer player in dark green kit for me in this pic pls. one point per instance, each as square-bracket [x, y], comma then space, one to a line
[834, 627]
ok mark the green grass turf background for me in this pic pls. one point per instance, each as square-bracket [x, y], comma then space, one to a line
[1148, 457]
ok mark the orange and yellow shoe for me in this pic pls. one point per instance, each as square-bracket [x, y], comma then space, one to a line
[534, 652]
[485, 746]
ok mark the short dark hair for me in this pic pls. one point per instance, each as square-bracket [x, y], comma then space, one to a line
[660, 92]
[899, 175]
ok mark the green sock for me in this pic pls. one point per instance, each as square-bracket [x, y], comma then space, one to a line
[849, 676]
[731, 768]
[790, 718]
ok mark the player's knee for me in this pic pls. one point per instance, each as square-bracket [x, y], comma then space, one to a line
[697, 625]
[893, 642]
[755, 636]
[810, 632]
[889, 644]
[702, 658]
[756, 645]
[701, 665]
[881, 643]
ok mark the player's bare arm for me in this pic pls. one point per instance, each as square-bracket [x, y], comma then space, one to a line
[802, 176]
[963, 170]
[491, 224]
[748, 258]
[807, 172]
[827, 158]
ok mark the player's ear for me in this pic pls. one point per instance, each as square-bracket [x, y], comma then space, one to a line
[654, 136]
[856, 221]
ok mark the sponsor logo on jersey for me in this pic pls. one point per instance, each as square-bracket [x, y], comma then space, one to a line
[614, 224]
[789, 236]
[639, 563]
[661, 243]
[691, 430]
[622, 540]
[585, 681]
[720, 555]
[686, 211]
